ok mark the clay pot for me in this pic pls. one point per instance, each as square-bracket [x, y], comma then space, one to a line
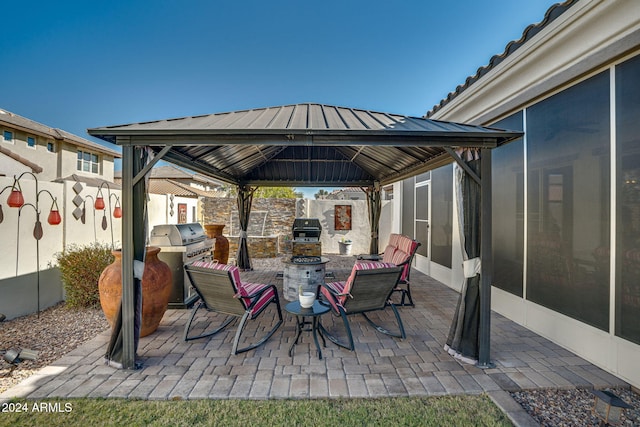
[221, 248]
[156, 290]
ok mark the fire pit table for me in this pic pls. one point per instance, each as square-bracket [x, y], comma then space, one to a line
[305, 271]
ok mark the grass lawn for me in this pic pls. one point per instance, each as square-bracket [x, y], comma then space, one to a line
[402, 411]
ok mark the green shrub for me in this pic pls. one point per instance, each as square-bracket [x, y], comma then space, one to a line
[80, 268]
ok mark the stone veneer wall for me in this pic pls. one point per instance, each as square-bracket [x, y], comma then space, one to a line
[270, 229]
[259, 247]
[280, 214]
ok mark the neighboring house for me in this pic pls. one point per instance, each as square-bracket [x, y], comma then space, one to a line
[178, 195]
[50, 153]
[356, 193]
[566, 197]
[173, 180]
[350, 193]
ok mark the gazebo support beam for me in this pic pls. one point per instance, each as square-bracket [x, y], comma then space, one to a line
[128, 249]
[151, 164]
[463, 165]
[486, 255]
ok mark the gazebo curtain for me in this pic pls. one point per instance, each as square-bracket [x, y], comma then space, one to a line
[245, 199]
[115, 352]
[462, 341]
[374, 205]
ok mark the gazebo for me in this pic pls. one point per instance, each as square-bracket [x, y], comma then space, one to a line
[295, 145]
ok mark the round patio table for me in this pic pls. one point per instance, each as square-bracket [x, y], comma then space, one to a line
[301, 313]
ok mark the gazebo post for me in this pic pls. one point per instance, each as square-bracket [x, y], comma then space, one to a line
[128, 220]
[486, 255]
[121, 351]
[245, 200]
[374, 205]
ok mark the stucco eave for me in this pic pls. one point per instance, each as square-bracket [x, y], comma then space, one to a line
[561, 52]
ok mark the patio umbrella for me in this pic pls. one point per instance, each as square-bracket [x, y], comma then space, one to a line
[462, 341]
[245, 199]
[374, 205]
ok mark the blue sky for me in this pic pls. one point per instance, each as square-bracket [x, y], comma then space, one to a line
[81, 64]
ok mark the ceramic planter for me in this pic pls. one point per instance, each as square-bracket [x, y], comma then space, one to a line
[156, 290]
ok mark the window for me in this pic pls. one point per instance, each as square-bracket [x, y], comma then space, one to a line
[507, 174]
[422, 217]
[87, 162]
[31, 142]
[442, 215]
[7, 136]
[627, 324]
[408, 203]
[569, 202]
[51, 147]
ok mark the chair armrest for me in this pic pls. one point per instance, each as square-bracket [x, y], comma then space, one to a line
[332, 292]
[260, 292]
[403, 263]
[370, 257]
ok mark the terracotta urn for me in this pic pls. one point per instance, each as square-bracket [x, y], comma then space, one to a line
[221, 248]
[156, 290]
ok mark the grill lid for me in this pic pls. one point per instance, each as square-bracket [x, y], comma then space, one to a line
[177, 234]
[306, 227]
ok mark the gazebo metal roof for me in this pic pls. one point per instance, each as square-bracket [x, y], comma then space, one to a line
[305, 144]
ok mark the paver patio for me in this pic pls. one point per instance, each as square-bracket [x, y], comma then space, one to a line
[381, 366]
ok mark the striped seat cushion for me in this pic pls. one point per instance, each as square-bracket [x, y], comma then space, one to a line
[251, 288]
[406, 244]
[389, 252]
[393, 239]
[243, 289]
[399, 257]
[235, 272]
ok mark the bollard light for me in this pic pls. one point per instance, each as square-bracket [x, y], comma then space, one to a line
[608, 407]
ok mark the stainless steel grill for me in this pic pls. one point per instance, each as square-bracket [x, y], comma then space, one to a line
[181, 244]
[306, 230]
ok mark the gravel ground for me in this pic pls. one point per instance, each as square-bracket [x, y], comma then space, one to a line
[559, 408]
[59, 330]
[54, 333]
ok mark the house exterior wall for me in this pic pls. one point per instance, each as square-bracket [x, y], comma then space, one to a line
[56, 157]
[37, 154]
[10, 167]
[68, 160]
[573, 187]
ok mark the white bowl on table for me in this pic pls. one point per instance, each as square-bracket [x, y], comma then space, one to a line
[306, 299]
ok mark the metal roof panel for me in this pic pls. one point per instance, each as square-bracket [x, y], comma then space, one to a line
[306, 143]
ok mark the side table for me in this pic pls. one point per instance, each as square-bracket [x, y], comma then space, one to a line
[315, 311]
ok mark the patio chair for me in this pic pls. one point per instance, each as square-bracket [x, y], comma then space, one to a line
[399, 251]
[368, 289]
[221, 290]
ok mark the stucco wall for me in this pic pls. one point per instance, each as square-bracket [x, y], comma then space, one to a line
[163, 209]
[19, 267]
